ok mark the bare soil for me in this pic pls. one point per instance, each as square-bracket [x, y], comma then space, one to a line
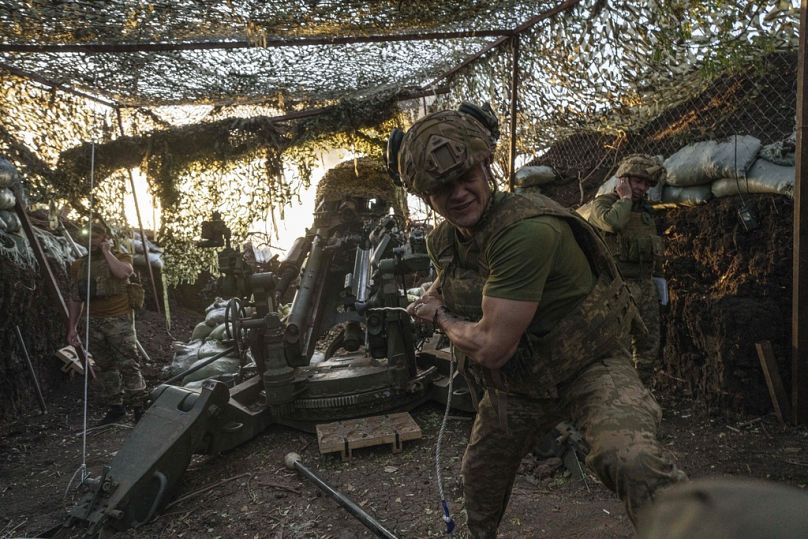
[256, 496]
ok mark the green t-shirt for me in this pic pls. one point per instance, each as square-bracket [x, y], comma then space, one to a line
[537, 259]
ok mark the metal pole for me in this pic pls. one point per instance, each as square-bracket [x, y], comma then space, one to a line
[198, 366]
[799, 297]
[33, 372]
[292, 461]
[143, 239]
[514, 103]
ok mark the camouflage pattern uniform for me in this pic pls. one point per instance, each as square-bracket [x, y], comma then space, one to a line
[581, 370]
[112, 340]
[630, 232]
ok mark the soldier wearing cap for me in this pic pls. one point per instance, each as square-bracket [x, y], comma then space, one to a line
[626, 220]
[537, 314]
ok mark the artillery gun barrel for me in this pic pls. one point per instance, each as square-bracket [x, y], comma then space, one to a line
[290, 266]
[361, 275]
[301, 306]
[292, 461]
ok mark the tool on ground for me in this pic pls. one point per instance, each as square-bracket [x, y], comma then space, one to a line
[33, 372]
[292, 461]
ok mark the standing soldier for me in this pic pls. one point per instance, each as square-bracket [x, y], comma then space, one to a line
[626, 219]
[112, 335]
[537, 315]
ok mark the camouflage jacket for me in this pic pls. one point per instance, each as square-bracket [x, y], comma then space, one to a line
[589, 332]
[630, 232]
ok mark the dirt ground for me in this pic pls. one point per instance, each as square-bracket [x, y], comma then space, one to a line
[254, 495]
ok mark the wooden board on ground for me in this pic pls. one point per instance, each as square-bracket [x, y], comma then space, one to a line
[345, 436]
[777, 392]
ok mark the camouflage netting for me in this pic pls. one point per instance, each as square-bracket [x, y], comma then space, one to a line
[364, 177]
[338, 71]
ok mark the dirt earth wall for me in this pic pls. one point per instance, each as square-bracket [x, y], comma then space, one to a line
[25, 301]
[729, 289]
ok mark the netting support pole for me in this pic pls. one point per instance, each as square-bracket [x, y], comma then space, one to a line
[514, 103]
[143, 239]
[799, 309]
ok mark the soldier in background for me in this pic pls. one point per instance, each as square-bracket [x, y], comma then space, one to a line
[537, 315]
[112, 335]
[626, 220]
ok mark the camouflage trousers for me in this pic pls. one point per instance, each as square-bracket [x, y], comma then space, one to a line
[114, 350]
[617, 416]
[645, 346]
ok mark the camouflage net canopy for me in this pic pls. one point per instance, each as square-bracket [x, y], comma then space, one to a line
[213, 100]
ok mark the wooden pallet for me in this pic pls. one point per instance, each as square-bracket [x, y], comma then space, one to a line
[345, 436]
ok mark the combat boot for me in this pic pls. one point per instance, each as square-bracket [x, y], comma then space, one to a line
[115, 413]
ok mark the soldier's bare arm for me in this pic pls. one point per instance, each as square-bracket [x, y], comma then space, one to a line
[119, 268]
[493, 340]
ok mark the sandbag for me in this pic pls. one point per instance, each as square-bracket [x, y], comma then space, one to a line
[222, 366]
[534, 176]
[215, 317]
[763, 177]
[702, 162]
[155, 260]
[781, 152]
[687, 196]
[7, 199]
[201, 332]
[138, 246]
[218, 333]
[218, 303]
[12, 221]
[607, 186]
[184, 356]
[8, 173]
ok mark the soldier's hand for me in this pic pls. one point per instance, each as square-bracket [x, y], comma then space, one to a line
[623, 188]
[106, 246]
[424, 308]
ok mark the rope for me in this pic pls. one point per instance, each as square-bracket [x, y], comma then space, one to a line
[447, 516]
[83, 468]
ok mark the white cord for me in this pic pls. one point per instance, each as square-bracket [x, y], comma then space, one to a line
[87, 319]
[447, 518]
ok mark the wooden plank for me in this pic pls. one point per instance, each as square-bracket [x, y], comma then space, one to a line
[799, 292]
[344, 436]
[777, 391]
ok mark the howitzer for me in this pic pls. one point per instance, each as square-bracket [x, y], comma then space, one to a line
[353, 266]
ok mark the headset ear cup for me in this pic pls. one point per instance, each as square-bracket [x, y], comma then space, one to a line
[485, 115]
[391, 155]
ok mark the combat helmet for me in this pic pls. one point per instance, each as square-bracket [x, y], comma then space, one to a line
[441, 147]
[643, 166]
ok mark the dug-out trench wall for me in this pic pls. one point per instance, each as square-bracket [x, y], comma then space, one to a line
[26, 302]
[729, 288]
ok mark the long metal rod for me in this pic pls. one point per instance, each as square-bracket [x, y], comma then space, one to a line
[33, 372]
[514, 104]
[198, 366]
[269, 42]
[28, 228]
[143, 240]
[527, 25]
[292, 460]
[799, 297]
